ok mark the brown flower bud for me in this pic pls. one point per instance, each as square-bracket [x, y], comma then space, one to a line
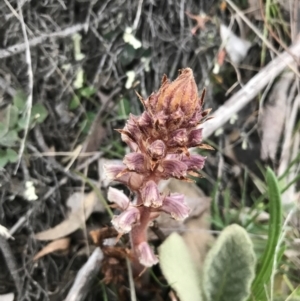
[182, 94]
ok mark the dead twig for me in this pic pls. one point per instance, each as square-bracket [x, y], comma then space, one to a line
[6, 88]
[85, 276]
[18, 48]
[11, 264]
[239, 100]
[30, 85]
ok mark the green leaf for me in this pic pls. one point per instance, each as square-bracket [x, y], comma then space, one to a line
[179, 269]
[124, 108]
[22, 123]
[19, 100]
[229, 266]
[275, 223]
[39, 113]
[74, 103]
[3, 158]
[13, 116]
[3, 129]
[9, 139]
[86, 124]
[9, 118]
[11, 155]
[87, 92]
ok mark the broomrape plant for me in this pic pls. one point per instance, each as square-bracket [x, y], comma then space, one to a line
[159, 140]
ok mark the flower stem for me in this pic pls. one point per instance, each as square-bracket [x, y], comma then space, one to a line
[138, 235]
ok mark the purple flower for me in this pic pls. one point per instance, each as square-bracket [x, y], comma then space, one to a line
[111, 171]
[174, 168]
[150, 195]
[118, 197]
[176, 206]
[146, 255]
[194, 162]
[135, 162]
[123, 223]
[195, 137]
[179, 138]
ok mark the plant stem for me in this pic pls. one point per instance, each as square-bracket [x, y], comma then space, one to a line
[138, 235]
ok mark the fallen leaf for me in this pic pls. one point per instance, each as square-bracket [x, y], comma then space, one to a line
[7, 297]
[76, 219]
[100, 236]
[56, 245]
[74, 203]
[272, 119]
[235, 47]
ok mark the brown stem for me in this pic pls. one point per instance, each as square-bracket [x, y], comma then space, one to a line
[138, 235]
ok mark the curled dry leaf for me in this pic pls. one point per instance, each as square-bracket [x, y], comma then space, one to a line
[56, 245]
[90, 203]
[235, 47]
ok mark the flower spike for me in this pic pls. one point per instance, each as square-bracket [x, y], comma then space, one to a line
[159, 141]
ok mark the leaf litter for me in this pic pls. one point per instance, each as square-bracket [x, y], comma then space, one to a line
[83, 206]
[61, 244]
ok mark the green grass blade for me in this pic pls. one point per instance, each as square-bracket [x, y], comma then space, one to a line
[275, 223]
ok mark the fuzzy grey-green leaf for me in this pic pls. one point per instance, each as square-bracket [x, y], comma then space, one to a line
[178, 268]
[229, 266]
